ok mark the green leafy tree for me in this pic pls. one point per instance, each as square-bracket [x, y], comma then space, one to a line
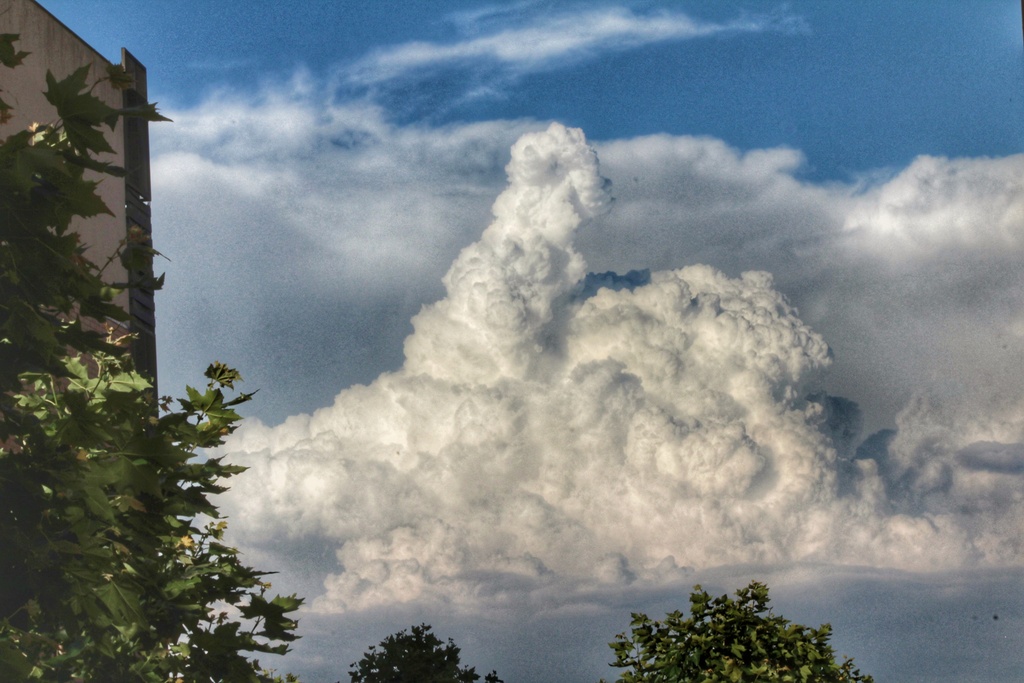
[113, 564]
[416, 656]
[730, 640]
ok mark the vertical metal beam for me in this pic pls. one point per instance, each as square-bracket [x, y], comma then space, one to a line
[139, 224]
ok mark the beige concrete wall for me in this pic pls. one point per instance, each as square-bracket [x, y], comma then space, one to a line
[56, 48]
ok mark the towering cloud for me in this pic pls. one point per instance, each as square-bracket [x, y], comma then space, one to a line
[555, 431]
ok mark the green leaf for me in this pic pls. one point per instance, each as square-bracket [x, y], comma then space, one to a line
[146, 111]
[9, 56]
[122, 604]
[118, 77]
[14, 665]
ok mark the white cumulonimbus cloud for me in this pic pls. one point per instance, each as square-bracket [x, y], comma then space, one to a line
[551, 428]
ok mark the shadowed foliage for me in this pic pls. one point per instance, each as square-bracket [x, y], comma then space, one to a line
[729, 640]
[114, 566]
[415, 656]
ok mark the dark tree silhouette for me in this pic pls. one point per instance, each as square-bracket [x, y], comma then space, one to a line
[726, 639]
[415, 656]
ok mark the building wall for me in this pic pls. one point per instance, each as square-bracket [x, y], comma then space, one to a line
[55, 48]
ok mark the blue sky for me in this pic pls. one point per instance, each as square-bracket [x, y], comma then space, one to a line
[855, 86]
[448, 430]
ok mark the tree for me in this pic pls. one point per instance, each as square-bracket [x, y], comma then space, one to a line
[114, 566]
[417, 656]
[729, 640]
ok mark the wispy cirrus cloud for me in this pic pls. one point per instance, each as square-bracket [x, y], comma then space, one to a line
[541, 42]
